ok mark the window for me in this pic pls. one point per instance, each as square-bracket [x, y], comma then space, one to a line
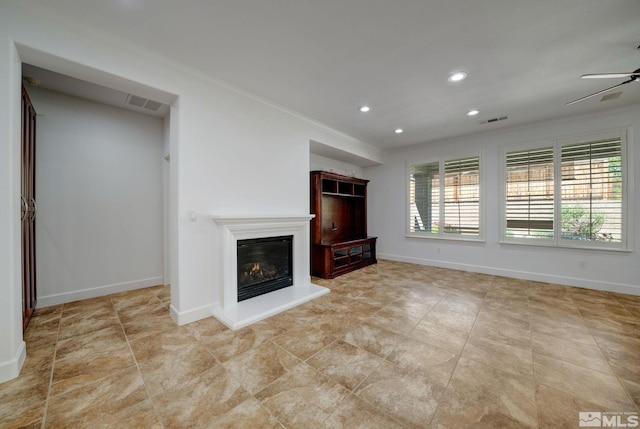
[530, 189]
[568, 193]
[591, 207]
[444, 199]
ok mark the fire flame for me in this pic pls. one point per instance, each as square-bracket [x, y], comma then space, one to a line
[255, 269]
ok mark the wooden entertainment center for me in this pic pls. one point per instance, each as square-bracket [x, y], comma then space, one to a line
[339, 241]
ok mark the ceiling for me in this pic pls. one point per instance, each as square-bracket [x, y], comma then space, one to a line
[47, 79]
[323, 59]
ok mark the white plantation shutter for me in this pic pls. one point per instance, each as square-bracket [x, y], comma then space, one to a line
[444, 199]
[568, 193]
[529, 193]
[462, 196]
[592, 190]
[424, 197]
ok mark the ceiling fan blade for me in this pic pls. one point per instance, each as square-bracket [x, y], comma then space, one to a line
[599, 92]
[607, 75]
[610, 75]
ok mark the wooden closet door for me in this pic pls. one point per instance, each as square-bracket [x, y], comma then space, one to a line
[29, 209]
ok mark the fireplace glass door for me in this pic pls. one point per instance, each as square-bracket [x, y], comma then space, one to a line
[264, 265]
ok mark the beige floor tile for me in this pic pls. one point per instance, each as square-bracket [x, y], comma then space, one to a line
[569, 328]
[146, 320]
[590, 385]
[39, 357]
[93, 306]
[304, 342]
[163, 292]
[302, 397]
[155, 345]
[81, 347]
[200, 401]
[482, 396]
[44, 326]
[625, 326]
[451, 319]
[503, 329]
[441, 336]
[337, 325]
[633, 390]
[258, 367]
[22, 400]
[460, 303]
[345, 364]
[248, 414]
[393, 320]
[513, 308]
[93, 402]
[227, 344]
[410, 399]
[542, 302]
[558, 409]
[586, 355]
[132, 299]
[373, 339]
[175, 368]
[83, 363]
[622, 353]
[353, 412]
[412, 308]
[79, 323]
[424, 360]
[269, 329]
[499, 355]
[377, 298]
[392, 345]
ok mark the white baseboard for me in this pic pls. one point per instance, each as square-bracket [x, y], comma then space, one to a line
[525, 275]
[184, 317]
[11, 369]
[62, 298]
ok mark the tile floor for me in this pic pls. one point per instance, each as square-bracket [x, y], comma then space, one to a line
[392, 346]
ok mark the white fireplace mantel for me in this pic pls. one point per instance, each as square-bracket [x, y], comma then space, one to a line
[236, 314]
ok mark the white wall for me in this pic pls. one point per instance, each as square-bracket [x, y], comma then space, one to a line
[230, 154]
[318, 162]
[12, 348]
[99, 188]
[617, 271]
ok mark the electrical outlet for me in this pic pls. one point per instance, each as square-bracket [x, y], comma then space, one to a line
[582, 265]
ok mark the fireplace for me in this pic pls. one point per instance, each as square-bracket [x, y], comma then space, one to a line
[264, 265]
[235, 230]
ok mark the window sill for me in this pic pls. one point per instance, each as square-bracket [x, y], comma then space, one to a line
[566, 246]
[447, 238]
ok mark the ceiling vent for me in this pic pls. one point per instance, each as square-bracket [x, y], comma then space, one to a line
[134, 100]
[492, 120]
[612, 96]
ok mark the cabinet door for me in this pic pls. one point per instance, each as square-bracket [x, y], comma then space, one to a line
[28, 201]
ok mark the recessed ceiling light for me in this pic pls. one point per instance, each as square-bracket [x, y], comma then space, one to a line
[364, 109]
[457, 76]
[473, 112]
[398, 130]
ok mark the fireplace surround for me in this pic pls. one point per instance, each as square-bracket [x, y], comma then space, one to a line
[238, 313]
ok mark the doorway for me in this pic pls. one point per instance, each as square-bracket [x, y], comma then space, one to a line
[99, 182]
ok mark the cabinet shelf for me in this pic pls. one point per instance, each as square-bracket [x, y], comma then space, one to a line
[339, 231]
[336, 194]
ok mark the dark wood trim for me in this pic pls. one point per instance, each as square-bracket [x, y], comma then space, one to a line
[28, 209]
